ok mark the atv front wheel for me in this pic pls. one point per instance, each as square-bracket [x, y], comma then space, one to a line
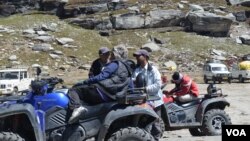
[205, 79]
[155, 130]
[9, 136]
[213, 121]
[131, 134]
[162, 124]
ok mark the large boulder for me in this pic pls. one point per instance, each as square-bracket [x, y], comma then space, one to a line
[92, 23]
[75, 10]
[91, 9]
[164, 18]
[128, 21]
[209, 23]
[245, 39]
[239, 2]
[49, 5]
[8, 7]
[154, 19]
[7, 10]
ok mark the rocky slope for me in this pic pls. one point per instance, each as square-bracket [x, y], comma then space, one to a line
[65, 35]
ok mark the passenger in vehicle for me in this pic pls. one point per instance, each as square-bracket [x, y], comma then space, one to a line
[152, 87]
[185, 88]
[104, 87]
[98, 65]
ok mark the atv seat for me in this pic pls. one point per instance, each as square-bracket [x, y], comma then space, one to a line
[190, 103]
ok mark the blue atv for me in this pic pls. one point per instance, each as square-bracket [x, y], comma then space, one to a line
[42, 115]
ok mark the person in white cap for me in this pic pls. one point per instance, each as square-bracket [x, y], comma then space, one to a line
[152, 86]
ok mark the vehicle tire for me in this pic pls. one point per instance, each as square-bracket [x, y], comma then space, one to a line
[213, 121]
[196, 132]
[131, 134]
[241, 79]
[205, 79]
[229, 80]
[9, 136]
[162, 126]
[214, 80]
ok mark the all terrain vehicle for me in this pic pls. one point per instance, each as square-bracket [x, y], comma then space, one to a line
[203, 116]
[42, 115]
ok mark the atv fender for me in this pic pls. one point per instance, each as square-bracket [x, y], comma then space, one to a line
[27, 109]
[118, 113]
[213, 103]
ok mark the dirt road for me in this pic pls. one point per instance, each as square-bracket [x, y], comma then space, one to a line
[238, 97]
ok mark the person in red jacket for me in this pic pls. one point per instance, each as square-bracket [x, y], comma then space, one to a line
[185, 88]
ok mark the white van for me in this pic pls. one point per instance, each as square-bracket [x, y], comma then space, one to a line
[13, 80]
[216, 72]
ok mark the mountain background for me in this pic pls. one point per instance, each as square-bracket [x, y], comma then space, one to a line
[64, 36]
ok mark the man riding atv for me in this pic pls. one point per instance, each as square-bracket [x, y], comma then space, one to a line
[104, 87]
[185, 110]
[185, 88]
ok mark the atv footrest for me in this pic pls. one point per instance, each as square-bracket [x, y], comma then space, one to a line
[191, 124]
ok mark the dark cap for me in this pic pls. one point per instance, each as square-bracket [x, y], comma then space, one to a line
[141, 52]
[103, 50]
[177, 77]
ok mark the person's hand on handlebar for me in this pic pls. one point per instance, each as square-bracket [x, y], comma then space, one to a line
[167, 93]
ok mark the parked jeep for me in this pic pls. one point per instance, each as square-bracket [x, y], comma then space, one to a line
[13, 80]
[215, 71]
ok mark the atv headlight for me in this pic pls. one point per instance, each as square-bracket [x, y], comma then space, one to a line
[9, 85]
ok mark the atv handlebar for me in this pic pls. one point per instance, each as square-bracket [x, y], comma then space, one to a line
[52, 82]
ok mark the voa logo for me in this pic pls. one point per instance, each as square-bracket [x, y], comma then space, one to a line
[236, 132]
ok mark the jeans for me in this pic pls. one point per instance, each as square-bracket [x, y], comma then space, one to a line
[87, 93]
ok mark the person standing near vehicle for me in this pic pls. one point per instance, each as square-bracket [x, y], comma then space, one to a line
[113, 79]
[152, 87]
[98, 65]
[185, 88]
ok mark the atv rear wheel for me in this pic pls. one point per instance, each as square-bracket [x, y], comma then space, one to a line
[131, 134]
[213, 121]
[196, 132]
[9, 136]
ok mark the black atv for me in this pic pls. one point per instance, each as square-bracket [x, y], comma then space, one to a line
[203, 116]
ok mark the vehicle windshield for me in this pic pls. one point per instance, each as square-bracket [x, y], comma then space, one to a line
[219, 69]
[8, 75]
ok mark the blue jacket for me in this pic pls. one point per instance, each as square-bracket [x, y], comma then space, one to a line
[106, 73]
